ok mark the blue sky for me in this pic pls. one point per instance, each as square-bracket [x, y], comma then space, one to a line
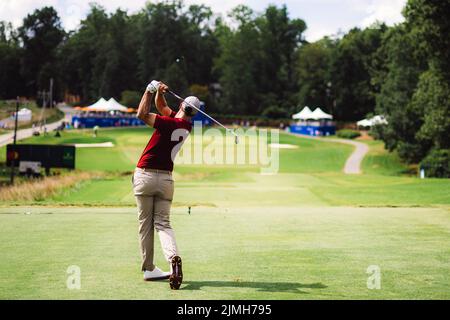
[323, 17]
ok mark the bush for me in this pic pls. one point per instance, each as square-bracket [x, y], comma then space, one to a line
[348, 134]
[199, 91]
[131, 99]
[274, 112]
[437, 164]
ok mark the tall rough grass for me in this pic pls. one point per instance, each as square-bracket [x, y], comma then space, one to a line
[38, 190]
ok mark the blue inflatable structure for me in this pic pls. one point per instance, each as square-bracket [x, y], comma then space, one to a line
[313, 130]
[313, 123]
[90, 121]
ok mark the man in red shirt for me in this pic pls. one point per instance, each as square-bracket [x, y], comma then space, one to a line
[153, 185]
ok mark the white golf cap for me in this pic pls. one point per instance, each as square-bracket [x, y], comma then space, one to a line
[193, 101]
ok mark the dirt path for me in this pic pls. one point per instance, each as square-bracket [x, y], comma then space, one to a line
[353, 163]
[25, 133]
[28, 132]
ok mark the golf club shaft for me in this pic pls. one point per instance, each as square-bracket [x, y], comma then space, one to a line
[192, 106]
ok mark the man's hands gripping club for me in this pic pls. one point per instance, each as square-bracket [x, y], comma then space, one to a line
[160, 88]
[153, 86]
[160, 100]
[143, 112]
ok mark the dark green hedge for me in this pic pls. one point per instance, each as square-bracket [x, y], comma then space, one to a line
[437, 164]
[348, 134]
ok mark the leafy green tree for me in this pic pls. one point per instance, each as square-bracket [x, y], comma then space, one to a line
[428, 21]
[432, 98]
[101, 59]
[432, 102]
[315, 87]
[350, 72]
[174, 40]
[199, 91]
[280, 38]
[257, 60]
[111, 53]
[175, 76]
[40, 34]
[437, 163]
[116, 62]
[275, 112]
[415, 95]
[239, 63]
[161, 35]
[11, 82]
[79, 55]
[398, 81]
[131, 99]
[201, 46]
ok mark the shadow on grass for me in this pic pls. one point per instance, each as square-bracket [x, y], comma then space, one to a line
[290, 287]
[410, 171]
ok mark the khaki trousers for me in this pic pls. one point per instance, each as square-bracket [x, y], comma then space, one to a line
[153, 190]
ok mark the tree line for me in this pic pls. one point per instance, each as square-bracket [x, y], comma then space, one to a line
[247, 64]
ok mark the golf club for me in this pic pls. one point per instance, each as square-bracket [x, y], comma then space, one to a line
[236, 137]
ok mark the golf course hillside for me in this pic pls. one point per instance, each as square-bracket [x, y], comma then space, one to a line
[308, 231]
[310, 174]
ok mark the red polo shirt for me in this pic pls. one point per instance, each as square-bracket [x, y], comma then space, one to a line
[167, 139]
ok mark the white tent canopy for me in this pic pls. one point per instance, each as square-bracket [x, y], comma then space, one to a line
[24, 114]
[103, 105]
[114, 105]
[364, 123]
[318, 114]
[372, 121]
[307, 114]
[98, 105]
[303, 115]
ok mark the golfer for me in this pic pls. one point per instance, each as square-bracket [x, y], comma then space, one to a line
[153, 185]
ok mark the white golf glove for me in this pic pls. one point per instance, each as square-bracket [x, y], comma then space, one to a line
[153, 86]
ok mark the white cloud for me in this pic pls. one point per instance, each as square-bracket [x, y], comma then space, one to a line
[331, 17]
[389, 11]
[15, 10]
[72, 14]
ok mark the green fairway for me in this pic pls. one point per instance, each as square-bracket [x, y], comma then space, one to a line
[308, 232]
[309, 175]
[230, 253]
[241, 188]
[311, 156]
[379, 161]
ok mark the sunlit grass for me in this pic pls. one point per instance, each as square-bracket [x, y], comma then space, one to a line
[297, 234]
